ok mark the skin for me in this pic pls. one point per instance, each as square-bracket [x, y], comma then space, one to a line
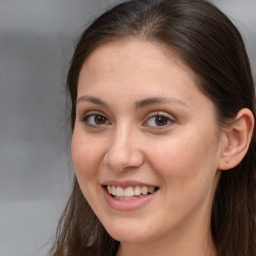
[180, 157]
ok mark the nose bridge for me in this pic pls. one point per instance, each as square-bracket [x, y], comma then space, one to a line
[123, 150]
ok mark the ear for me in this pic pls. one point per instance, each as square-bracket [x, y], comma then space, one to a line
[236, 140]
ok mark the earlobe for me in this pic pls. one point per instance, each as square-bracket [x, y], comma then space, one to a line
[237, 139]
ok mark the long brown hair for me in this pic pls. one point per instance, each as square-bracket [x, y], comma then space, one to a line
[212, 47]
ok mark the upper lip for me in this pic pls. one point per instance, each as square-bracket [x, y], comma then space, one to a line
[126, 183]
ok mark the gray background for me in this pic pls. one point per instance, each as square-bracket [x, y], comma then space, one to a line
[36, 43]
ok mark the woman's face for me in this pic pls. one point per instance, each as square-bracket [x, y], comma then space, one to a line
[146, 143]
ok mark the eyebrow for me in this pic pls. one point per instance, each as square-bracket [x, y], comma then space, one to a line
[156, 100]
[139, 104]
[94, 100]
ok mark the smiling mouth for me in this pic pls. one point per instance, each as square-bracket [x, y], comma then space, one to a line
[130, 193]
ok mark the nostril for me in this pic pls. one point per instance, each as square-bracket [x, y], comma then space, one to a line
[123, 161]
[123, 154]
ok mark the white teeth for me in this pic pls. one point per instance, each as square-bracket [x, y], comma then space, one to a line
[119, 191]
[137, 191]
[151, 189]
[129, 192]
[109, 189]
[113, 191]
[144, 190]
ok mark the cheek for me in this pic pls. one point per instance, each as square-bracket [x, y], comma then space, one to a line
[187, 172]
[186, 160]
[86, 155]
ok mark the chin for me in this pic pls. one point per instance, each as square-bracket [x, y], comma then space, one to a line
[129, 233]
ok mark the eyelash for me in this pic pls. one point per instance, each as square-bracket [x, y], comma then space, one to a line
[165, 118]
[86, 118]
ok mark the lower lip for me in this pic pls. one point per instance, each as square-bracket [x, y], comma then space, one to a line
[127, 205]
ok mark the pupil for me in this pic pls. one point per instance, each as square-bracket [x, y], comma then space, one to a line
[161, 121]
[100, 119]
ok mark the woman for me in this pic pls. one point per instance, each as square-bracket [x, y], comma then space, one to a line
[164, 142]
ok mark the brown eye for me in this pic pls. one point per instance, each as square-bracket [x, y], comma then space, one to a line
[159, 121]
[95, 120]
[98, 119]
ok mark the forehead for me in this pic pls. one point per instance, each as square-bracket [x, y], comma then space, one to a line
[144, 49]
[131, 57]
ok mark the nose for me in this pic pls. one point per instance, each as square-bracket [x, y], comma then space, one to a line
[123, 152]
